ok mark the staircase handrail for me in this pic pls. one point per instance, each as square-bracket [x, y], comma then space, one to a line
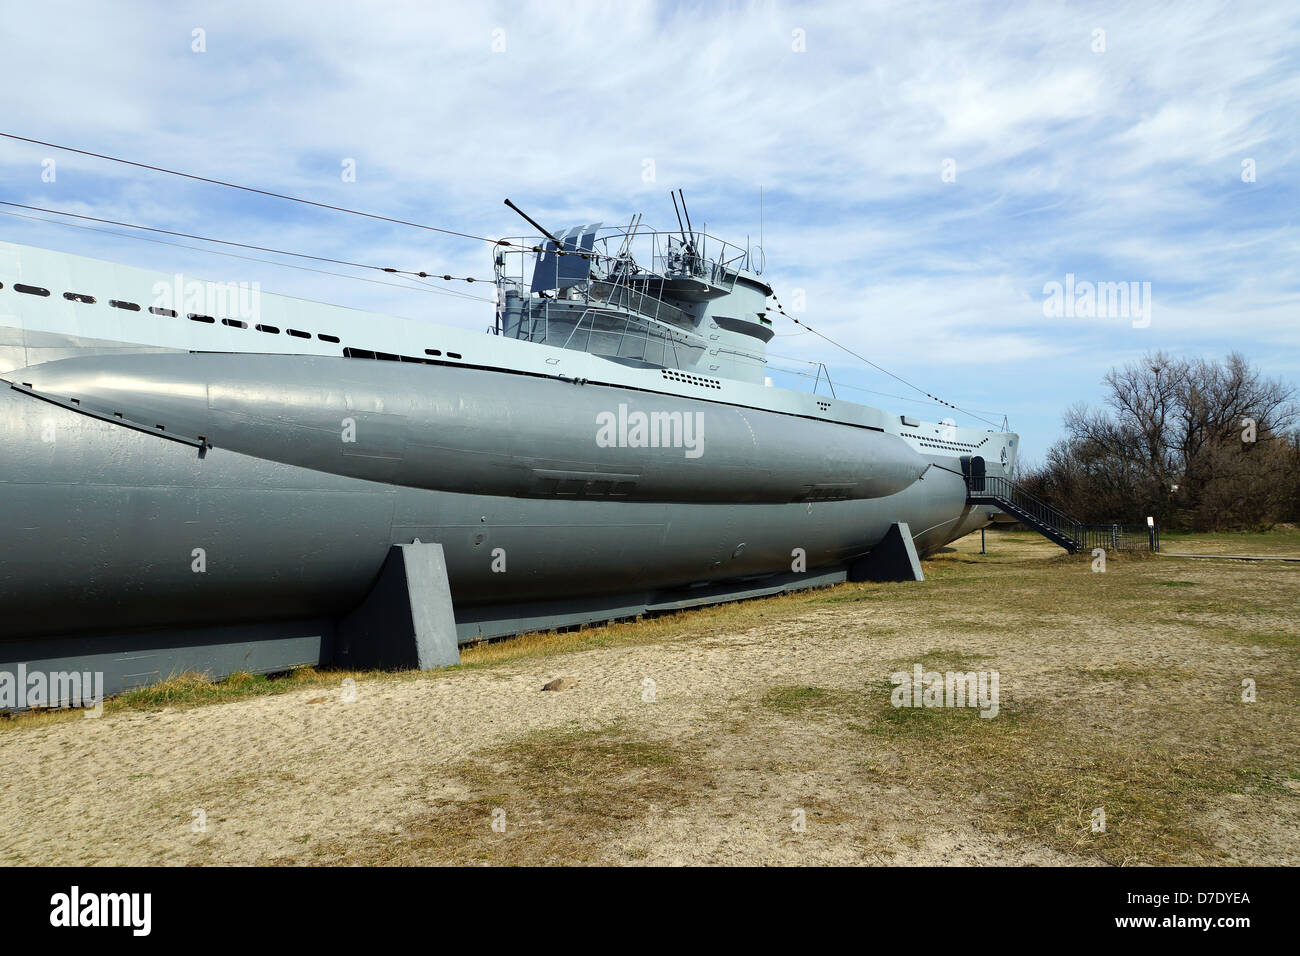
[995, 486]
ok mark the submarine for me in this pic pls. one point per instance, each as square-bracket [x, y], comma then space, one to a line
[195, 477]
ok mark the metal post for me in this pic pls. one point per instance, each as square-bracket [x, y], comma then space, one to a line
[983, 550]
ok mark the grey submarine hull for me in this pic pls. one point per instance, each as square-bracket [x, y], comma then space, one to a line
[294, 476]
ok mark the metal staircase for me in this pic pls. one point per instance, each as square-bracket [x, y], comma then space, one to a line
[1054, 524]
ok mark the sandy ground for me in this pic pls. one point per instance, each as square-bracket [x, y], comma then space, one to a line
[308, 777]
[273, 773]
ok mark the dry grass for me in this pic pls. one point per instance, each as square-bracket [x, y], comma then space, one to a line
[565, 790]
[191, 689]
[656, 629]
[1034, 771]
[1282, 540]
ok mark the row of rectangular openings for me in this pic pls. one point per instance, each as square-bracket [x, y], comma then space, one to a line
[391, 357]
[942, 443]
[586, 487]
[232, 323]
[825, 493]
[700, 380]
[172, 313]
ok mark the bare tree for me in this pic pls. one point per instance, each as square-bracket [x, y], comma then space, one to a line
[1196, 443]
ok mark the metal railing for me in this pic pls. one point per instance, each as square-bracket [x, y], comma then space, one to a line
[1120, 537]
[649, 336]
[1003, 490]
[622, 296]
[1052, 522]
[616, 250]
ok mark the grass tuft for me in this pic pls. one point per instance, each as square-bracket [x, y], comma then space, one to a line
[563, 794]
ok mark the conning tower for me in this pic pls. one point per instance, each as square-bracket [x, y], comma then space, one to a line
[639, 296]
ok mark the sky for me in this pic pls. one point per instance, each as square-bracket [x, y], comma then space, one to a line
[927, 171]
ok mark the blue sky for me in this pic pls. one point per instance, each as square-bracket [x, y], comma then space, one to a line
[1114, 156]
